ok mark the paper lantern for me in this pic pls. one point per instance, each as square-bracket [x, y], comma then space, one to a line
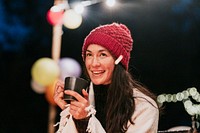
[49, 94]
[69, 67]
[71, 19]
[45, 71]
[40, 89]
[55, 17]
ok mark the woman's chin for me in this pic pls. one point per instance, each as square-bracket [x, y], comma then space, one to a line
[100, 82]
[96, 83]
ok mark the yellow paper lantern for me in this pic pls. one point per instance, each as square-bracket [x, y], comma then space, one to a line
[45, 71]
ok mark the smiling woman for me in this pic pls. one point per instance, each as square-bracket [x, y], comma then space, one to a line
[165, 56]
[115, 102]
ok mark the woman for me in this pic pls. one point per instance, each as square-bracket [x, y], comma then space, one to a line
[120, 103]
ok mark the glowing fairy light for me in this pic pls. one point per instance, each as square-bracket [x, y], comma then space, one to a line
[192, 91]
[174, 98]
[184, 96]
[71, 19]
[110, 3]
[59, 14]
[179, 96]
[187, 104]
[169, 98]
[161, 98]
[79, 8]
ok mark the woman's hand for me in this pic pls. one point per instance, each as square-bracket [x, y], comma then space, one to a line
[59, 94]
[77, 107]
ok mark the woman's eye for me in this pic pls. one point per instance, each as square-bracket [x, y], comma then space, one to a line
[88, 54]
[103, 54]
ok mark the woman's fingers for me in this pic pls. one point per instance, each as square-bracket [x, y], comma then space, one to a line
[58, 94]
[59, 87]
[85, 94]
[59, 100]
[76, 95]
[77, 109]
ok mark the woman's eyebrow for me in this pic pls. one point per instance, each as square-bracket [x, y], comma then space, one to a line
[101, 50]
[88, 51]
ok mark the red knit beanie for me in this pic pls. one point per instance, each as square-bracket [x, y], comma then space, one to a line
[116, 38]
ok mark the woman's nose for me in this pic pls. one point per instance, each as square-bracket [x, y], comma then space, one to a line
[95, 62]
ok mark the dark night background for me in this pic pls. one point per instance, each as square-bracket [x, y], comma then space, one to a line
[165, 57]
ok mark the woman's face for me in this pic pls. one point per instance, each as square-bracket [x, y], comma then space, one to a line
[99, 64]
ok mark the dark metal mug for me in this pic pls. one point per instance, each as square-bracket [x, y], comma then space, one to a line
[76, 84]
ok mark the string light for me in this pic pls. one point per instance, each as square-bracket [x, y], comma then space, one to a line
[79, 8]
[110, 3]
[184, 96]
[57, 14]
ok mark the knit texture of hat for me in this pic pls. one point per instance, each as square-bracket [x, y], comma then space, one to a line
[116, 38]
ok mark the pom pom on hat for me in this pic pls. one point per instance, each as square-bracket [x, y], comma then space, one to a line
[116, 38]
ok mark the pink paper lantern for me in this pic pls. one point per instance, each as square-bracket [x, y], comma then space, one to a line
[55, 17]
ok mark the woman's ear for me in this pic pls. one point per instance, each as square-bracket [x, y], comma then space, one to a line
[83, 58]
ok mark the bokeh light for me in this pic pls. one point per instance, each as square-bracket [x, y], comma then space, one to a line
[71, 19]
[44, 71]
[110, 3]
[69, 67]
[55, 17]
[184, 96]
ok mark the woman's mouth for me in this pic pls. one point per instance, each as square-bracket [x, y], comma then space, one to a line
[97, 73]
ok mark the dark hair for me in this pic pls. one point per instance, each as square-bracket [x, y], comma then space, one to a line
[120, 101]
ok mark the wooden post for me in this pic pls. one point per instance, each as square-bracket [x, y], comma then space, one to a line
[56, 47]
[51, 120]
[56, 42]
